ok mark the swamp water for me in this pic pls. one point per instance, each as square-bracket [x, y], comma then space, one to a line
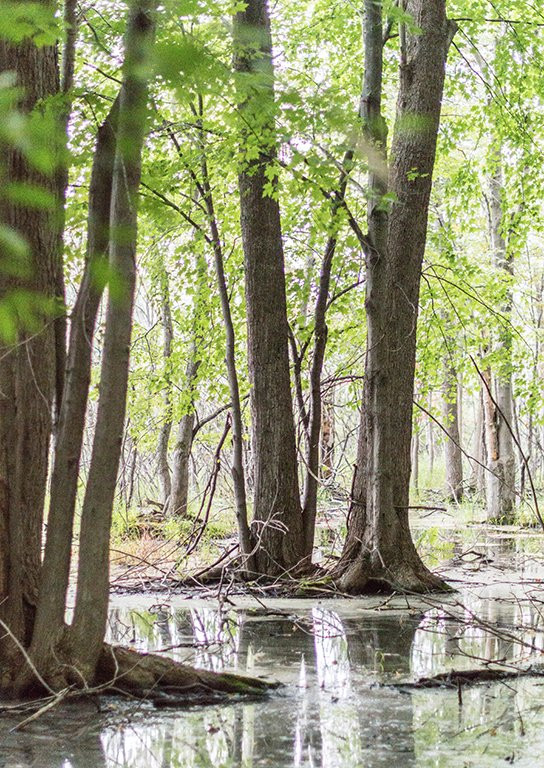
[338, 659]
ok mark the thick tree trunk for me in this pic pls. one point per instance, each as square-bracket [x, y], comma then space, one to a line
[277, 523]
[27, 368]
[386, 555]
[91, 606]
[452, 443]
[501, 479]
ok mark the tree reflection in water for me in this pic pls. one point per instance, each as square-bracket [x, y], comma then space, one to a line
[332, 713]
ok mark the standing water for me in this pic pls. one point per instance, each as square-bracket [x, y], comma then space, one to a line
[342, 663]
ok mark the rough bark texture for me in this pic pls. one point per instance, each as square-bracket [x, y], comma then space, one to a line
[386, 555]
[277, 523]
[452, 443]
[27, 368]
[501, 479]
[93, 573]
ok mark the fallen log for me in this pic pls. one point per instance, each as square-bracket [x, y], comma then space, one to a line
[454, 678]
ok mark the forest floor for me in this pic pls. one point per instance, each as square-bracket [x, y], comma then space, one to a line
[346, 665]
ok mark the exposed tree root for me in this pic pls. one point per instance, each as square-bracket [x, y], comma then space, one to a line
[125, 671]
[366, 574]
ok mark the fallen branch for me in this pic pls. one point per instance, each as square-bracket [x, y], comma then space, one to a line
[455, 678]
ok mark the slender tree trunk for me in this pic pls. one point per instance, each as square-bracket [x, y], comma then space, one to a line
[309, 504]
[238, 472]
[27, 367]
[64, 480]
[477, 479]
[179, 494]
[163, 467]
[501, 478]
[66, 86]
[277, 512]
[327, 436]
[386, 555]
[452, 444]
[91, 606]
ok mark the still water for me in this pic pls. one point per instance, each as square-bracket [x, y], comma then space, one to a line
[341, 662]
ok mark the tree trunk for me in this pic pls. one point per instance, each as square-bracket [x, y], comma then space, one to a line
[309, 505]
[91, 606]
[277, 512]
[179, 494]
[452, 444]
[27, 367]
[238, 472]
[327, 436]
[478, 452]
[163, 467]
[501, 479]
[386, 556]
[58, 549]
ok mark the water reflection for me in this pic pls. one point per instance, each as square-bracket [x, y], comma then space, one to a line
[332, 714]
[334, 656]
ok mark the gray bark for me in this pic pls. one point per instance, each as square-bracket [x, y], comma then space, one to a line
[277, 523]
[238, 471]
[452, 444]
[163, 467]
[179, 493]
[386, 555]
[501, 479]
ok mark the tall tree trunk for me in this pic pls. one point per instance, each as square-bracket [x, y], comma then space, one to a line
[163, 467]
[452, 443]
[91, 606]
[309, 504]
[64, 480]
[478, 451]
[501, 479]
[27, 367]
[238, 471]
[277, 512]
[386, 554]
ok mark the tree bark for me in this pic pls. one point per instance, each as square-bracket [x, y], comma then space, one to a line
[58, 549]
[27, 367]
[309, 504]
[501, 479]
[163, 467]
[179, 494]
[386, 556]
[91, 605]
[452, 444]
[277, 516]
[238, 472]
